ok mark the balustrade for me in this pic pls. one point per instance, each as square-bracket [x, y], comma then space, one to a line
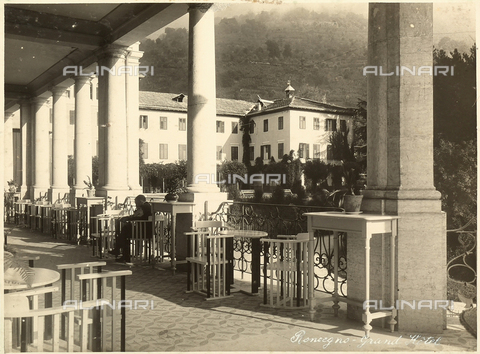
[278, 219]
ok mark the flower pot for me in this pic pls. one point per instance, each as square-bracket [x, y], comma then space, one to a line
[90, 192]
[352, 203]
[171, 197]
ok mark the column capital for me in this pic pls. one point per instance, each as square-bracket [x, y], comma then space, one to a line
[112, 51]
[134, 55]
[201, 7]
[58, 90]
[81, 79]
[27, 100]
[39, 101]
[7, 115]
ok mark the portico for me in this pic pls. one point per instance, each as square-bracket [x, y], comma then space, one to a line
[400, 177]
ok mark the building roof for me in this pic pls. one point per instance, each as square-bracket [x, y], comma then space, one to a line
[160, 101]
[303, 104]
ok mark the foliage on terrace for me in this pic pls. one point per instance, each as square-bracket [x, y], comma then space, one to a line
[165, 178]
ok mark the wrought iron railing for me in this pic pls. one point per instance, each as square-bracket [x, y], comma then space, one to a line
[278, 219]
[462, 244]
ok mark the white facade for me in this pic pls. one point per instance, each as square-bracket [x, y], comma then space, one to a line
[164, 134]
[163, 129]
[305, 132]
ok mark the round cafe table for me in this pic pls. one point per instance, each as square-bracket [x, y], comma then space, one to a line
[255, 236]
[41, 277]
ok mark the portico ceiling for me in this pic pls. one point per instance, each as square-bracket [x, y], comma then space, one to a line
[40, 40]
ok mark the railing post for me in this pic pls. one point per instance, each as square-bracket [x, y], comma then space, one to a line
[123, 325]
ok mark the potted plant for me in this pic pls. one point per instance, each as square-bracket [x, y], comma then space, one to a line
[12, 187]
[173, 193]
[466, 293]
[16, 270]
[349, 193]
[90, 187]
[174, 177]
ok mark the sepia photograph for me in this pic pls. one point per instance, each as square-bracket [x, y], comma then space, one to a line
[239, 176]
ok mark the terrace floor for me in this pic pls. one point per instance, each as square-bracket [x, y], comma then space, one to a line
[181, 322]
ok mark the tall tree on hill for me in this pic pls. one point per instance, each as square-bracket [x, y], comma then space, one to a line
[454, 108]
[454, 96]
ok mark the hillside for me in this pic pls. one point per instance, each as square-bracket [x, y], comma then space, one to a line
[321, 54]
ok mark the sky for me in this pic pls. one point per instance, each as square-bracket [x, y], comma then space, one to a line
[452, 19]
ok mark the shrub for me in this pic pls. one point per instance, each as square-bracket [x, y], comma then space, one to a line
[456, 178]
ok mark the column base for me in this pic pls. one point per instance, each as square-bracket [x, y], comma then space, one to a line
[214, 200]
[58, 193]
[39, 192]
[421, 241]
[394, 202]
[24, 192]
[116, 196]
[76, 192]
[203, 188]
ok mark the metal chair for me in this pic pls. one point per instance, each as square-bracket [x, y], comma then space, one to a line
[209, 264]
[103, 234]
[92, 284]
[142, 247]
[46, 330]
[212, 226]
[286, 271]
[101, 288]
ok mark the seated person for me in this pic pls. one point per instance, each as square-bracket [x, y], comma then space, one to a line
[122, 240]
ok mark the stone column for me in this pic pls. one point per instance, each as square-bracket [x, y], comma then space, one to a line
[400, 167]
[112, 131]
[8, 149]
[59, 142]
[83, 137]
[27, 139]
[132, 82]
[41, 148]
[201, 117]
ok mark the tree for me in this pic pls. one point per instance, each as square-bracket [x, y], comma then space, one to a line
[455, 148]
[287, 51]
[456, 178]
[454, 97]
[229, 169]
[342, 150]
[273, 49]
[316, 171]
[245, 124]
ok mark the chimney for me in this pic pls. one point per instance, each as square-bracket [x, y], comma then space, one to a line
[178, 98]
[289, 91]
[259, 103]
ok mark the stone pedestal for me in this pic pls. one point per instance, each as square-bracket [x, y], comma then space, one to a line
[119, 195]
[400, 169]
[213, 199]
